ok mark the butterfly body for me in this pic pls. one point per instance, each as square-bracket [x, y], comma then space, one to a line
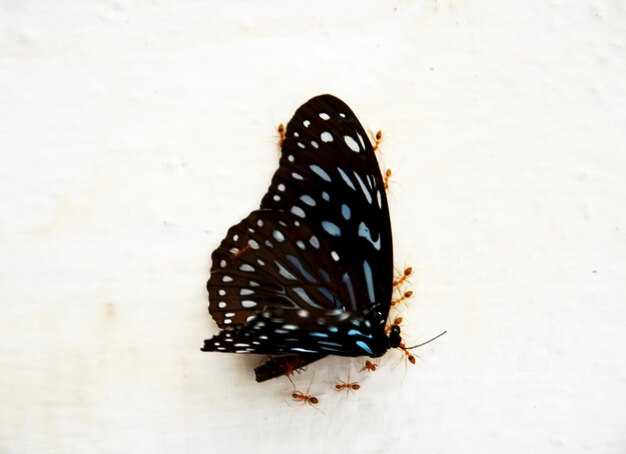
[310, 273]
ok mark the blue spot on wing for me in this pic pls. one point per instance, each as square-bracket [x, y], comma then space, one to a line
[296, 262]
[364, 346]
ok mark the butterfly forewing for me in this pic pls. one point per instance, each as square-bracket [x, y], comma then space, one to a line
[329, 177]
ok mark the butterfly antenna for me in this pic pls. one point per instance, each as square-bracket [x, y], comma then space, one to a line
[424, 343]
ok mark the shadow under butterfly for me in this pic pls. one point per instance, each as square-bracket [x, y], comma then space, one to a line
[310, 273]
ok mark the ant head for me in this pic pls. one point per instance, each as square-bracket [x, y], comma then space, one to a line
[394, 336]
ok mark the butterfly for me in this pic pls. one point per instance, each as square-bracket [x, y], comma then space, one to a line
[310, 273]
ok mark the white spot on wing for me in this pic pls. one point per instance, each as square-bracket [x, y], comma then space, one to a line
[324, 116]
[314, 242]
[351, 143]
[248, 303]
[302, 350]
[305, 297]
[331, 228]
[326, 137]
[317, 170]
[346, 178]
[308, 200]
[366, 192]
[361, 140]
[298, 211]
[253, 244]
[284, 272]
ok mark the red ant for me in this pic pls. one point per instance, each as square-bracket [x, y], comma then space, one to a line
[408, 294]
[282, 132]
[386, 179]
[347, 386]
[396, 321]
[378, 138]
[402, 279]
[369, 366]
[305, 398]
[236, 254]
[409, 356]
[291, 369]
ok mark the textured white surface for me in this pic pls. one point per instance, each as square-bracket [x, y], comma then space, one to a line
[133, 134]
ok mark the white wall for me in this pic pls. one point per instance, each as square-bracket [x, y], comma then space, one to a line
[133, 134]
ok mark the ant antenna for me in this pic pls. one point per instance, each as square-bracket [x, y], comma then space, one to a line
[427, 342]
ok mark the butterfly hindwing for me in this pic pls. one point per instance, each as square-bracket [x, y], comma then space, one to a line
[277, 330]
[272, 258]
